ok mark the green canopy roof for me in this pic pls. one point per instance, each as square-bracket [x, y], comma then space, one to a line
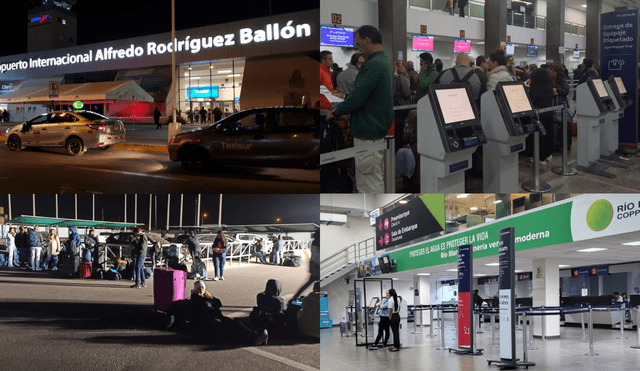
[37, 220]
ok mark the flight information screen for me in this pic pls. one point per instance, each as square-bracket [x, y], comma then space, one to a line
[517, 98]
[602, 91]
[455, 105]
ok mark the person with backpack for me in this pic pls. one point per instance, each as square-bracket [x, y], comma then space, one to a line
[219, 255]
[463, 73]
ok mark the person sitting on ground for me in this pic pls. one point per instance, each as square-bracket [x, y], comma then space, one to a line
[309, 314]
[206, 319]
[271, 307]
[199, 269]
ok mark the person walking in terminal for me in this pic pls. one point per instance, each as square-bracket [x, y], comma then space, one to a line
[219, 255]
[156, 117]
[450, 5]
[383, 326]
[371, 107]
[428, 74]
[461, 5]
[395, 304]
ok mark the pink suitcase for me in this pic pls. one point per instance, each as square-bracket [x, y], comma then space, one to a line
[168, 286]
[85, 270]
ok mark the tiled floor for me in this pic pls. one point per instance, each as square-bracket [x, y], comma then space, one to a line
[566, 353]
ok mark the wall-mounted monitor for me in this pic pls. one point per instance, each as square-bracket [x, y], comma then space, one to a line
[510, 49]
[532, 50]
[336, 36]
[422, 43]
[576, 53]
[461, 46]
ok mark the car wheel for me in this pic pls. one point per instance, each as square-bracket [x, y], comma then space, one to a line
[14, 143]
[194, 159]
[74, 146]
[104, 148]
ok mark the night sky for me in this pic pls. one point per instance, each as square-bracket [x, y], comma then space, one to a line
[236, 209]
[109, 20]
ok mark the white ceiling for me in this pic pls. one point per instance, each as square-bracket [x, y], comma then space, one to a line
[616, 253]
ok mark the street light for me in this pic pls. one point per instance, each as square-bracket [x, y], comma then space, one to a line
[277, 220]
[204, 217]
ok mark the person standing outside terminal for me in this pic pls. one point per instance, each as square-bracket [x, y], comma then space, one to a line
[22, 244]
[156, 117]
[36, 249]
[194, 245]
[140, 255]
[53, 249]
[395, 307]
[11, 246]
[370, 105]
[280, 250]
[219, 255]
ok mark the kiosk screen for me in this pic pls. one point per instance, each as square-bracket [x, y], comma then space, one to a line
[517, 98]
[602, 91]
[455, 105]
[620, 84]
[373, 302]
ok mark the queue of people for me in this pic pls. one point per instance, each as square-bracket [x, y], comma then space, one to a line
[372, 88]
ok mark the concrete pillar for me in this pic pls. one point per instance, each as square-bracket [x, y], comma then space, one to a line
[392, 23]
[495, 25]
[546, 291]
[555, 31]
[423, 286]
[594, 9]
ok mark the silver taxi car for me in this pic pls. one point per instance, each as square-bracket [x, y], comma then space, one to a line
[75, 131]
[274, 136]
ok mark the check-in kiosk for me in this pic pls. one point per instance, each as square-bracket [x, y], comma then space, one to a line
[593, 104]
[507, 118]
[449, 131]
[621, 100]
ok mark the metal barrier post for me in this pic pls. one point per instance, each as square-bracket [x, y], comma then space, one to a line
[442, 332]
[431, 323]
[455, 321]
[584, 335]
[565, 169]
[638, 324]
[493, 329]
[591, 353]
[536, 185]
[622, 319]
[544, 327]
[531, 330]
[524, 336]
[414, 320]
[390, 165]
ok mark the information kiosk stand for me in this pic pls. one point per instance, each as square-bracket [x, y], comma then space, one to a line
[609, 136]
[593, 104]
[507, 118]
[449, 131]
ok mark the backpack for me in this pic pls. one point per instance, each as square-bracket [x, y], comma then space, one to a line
[291, 261]
[465, 79]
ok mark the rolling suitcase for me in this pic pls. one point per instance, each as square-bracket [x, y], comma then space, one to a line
[168, 286]
[85, 270]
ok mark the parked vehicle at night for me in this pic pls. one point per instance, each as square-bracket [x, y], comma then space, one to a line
[75, 131]
[273, 137]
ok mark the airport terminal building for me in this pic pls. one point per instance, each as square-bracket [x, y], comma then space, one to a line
[259, 62]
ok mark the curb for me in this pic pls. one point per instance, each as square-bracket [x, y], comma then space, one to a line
[130, 147]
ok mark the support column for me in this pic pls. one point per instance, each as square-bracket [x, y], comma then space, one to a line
[495, 25]
[546, 291]
[422, 284]
[555, 31]
[594, 9]
[392, 23]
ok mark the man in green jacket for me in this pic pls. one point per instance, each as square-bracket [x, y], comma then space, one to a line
[370, 105]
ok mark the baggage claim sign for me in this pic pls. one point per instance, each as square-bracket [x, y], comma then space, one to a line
[419, 217]
[244, 36]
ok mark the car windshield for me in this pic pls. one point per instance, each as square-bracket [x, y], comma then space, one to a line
[92, 116]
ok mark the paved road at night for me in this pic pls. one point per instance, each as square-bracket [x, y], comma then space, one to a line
[51, 323]
[138, 167]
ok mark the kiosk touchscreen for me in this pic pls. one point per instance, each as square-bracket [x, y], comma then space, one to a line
[593, 103]
[449, 130]
[609, 133]
[507, 118]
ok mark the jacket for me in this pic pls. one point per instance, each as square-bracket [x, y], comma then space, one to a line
[33, 238]
[54, 245]
[270, 298]
[562, 88]
[74, 236]
[219, 244]
[326, 80]
[370, 104]
[401, 91]
[346, 81]
[542, 97]
[11, 241]
[589, 72]
[496, 75]
[194, 244]
[425, 79]
[22, 240]
[142, 245]
[90, 241]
